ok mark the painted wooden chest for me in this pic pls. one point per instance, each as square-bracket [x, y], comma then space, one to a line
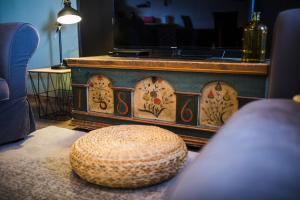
[191, 98]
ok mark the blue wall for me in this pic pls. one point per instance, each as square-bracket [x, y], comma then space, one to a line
[42, 14]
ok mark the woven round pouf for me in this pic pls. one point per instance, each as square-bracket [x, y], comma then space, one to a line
[128, 156]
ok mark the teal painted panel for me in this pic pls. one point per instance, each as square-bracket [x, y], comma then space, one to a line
[246, 85]
[187, 109]
[122, 103]
[79, 98]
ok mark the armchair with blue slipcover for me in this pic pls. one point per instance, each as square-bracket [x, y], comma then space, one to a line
[18, 42]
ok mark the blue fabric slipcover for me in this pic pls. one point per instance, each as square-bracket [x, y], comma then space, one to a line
[256, 155]
[285, 60]
[18, 42]
[4, 91]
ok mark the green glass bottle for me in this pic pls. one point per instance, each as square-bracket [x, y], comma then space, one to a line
[254, 40]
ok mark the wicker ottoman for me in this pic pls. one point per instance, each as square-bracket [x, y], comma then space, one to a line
[128, 156]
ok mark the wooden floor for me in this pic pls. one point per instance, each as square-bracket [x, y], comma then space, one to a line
[42, 123]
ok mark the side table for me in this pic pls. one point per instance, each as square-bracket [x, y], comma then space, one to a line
[52, 92]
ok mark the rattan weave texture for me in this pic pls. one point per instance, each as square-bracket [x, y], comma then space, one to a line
[128, 156]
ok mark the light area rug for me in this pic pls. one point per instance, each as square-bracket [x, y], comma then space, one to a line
[39, 168]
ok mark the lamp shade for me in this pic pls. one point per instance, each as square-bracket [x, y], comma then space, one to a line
[68, 15]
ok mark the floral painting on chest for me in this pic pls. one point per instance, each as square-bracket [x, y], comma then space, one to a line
[154, 98]
[218, 102]
[100, 95]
